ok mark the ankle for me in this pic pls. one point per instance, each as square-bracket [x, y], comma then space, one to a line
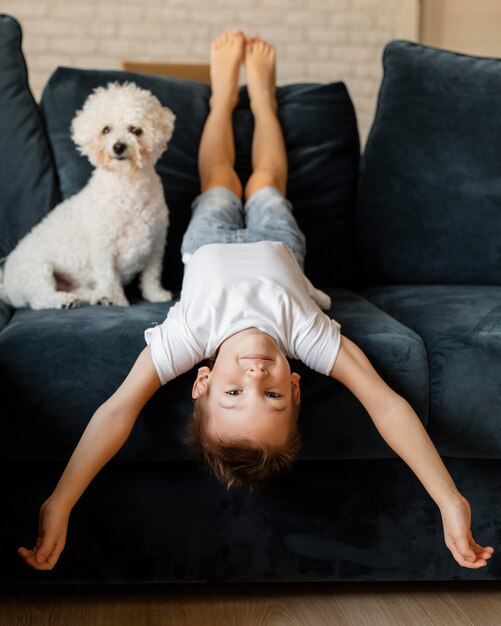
[223, 103]
[264, 104]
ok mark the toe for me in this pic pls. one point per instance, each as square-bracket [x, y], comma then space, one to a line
[219, 40]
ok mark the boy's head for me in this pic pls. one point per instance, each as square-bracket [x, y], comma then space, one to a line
[244, 424]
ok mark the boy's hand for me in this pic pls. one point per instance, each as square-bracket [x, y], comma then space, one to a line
[456, 519]
[105, 434]
[53, 525]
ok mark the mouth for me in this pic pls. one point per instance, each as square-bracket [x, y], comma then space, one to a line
[120, 158]
[257, 357]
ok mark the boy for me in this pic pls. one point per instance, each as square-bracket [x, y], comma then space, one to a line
[248, 304]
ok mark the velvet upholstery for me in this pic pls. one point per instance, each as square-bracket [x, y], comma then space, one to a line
[430, 193]
[28, 186]
[343, 520]
[351, 509]
[320, 132]
[460, 326]
[91, 340]
[6, 312]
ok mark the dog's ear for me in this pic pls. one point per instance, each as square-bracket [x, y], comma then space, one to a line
[166, 121]
[79, 132]
[83, 124]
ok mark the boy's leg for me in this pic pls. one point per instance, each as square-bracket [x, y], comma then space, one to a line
[269, 156]
[268, 212]
[216, 154]
[217, 213]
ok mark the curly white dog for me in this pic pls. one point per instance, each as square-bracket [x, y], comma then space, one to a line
[95, 242]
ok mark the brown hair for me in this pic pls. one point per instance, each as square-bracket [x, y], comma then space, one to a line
[242, 461]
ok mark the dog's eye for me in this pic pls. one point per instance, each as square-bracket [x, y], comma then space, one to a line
[135, 130]
[106, 130]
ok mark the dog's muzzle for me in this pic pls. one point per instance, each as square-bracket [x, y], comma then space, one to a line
[119, 148]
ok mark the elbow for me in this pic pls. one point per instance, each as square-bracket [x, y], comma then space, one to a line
[397, 405]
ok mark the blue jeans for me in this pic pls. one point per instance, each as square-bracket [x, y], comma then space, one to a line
[219, 217]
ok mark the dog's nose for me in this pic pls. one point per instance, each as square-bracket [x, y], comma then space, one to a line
[119, 148]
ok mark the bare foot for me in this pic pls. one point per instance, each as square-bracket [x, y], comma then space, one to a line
[226, 56]
[260, 68]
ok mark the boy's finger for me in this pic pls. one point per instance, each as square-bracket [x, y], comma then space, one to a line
[23, 552]
[481, 552]
[29, 556]
[53, 558]
[466, 563]
[26, 554]
[39, 566]
[45, 549]
[489, 549]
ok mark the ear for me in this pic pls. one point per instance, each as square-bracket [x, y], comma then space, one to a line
[83, 127]
[80, 132]
[166, 123]
[295, 387]
[201, 383]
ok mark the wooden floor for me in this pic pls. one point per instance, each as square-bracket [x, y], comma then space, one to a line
[357, 604]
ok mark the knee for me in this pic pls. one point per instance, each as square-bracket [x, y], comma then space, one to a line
[264, 178]
[222, 176]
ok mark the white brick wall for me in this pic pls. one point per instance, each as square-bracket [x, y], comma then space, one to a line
[316, 40]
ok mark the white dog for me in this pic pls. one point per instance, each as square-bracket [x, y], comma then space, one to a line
[96, 241]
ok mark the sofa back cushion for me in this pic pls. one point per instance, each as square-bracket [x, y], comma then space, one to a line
[429, 202]
[321, 136]
[28, 186]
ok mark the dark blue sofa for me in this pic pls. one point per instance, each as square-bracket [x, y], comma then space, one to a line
[407, 242]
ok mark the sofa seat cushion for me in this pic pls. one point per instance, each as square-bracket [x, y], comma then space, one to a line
[321, 136]
[461, 329]
[58, 366]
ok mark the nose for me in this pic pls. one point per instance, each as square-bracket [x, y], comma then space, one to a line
[257, 371]
[119, 148]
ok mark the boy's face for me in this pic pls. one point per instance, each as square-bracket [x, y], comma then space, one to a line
[251, 389]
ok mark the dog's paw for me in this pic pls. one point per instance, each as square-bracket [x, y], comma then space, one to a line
[104, 301]
[160, 295]
[120, 300]
[163, 296]
[117, 300]
[70, 303]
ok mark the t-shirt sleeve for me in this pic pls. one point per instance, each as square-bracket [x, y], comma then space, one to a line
[173, 351]
[320, 297]
[318, 344]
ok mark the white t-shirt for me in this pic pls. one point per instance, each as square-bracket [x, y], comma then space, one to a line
[230, 287]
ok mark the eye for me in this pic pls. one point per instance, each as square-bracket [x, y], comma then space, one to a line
[232, 392]
[106, 130]
[273, 394]
[135, 130]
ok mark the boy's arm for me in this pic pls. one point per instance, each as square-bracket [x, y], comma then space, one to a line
[403, 431]
[105, 434]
